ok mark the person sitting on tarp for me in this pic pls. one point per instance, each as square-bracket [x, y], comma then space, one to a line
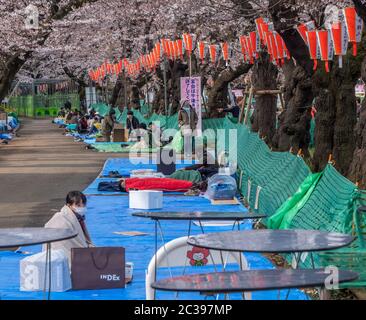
[132, 122]
[67, 105]
[82, 125]
[92, 113]
[108, 125]
[234, 110]
[93, 126]
[62, 113]
[72, 216]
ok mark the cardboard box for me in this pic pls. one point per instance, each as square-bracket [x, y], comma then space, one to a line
[120, 134]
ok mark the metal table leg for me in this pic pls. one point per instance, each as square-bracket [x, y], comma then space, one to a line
[47, 273]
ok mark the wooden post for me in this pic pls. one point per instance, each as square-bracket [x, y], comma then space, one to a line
[282, 101]
[242, 109]
[249, 106]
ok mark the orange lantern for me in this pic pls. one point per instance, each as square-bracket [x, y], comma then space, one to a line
[267, 40]
[188, 43]
[354, 26]
[225, 51]
[340, 41]
[201, 50]
[171, 50]
[158, 51]
[281, 53]
[259, 24]
[313, 47]
[326, 46]
[303, 28]
[244, 49]
[255, 43]
[249, 49]
[213, 53]
[180, 48]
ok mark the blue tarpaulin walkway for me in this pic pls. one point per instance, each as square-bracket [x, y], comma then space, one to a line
[110, 215]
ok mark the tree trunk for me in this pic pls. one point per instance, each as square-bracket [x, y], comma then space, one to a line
[135, 97]
[294, 121]
[8, 74]
[336, 112]
[15, 62]
[324, 128]
[218, 95]
[357, 172]
[119, 86]
[264, 77]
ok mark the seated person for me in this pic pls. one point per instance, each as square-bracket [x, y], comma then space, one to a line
[159, 184]
[61, 113]
[234, 110]
[132, 122]
[72, 217]
[93, 126]
[83, 125]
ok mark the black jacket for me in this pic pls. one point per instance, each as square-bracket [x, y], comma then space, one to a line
[132, 125]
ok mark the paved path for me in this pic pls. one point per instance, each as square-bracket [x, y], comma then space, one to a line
[37, 170]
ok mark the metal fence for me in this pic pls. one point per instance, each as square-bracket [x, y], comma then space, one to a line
[43, 98]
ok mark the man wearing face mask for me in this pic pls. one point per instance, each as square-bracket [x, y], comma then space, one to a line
[72, 216]
[108, 125]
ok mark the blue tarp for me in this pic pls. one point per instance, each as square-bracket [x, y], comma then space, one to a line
[107, 215]
[110, 214]
[6, 136]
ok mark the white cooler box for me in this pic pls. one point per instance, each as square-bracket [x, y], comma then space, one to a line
[146, 199]
[32, 272]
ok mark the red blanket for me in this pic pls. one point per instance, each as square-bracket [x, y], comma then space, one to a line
[160, 184]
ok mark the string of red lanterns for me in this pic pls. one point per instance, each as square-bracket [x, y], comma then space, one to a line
[322, 44]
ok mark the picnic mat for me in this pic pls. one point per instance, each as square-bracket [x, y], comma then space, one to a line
[108, 215]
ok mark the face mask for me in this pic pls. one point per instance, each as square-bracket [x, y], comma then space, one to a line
[80, 210]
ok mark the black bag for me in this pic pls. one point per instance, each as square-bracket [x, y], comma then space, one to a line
[98, 268]
[109, 186]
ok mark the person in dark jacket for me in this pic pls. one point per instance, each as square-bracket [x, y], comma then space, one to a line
[108, 125]
[132, 122]
[234, 110]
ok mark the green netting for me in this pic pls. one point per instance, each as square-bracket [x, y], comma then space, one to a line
[266, 179]
[328, 202]
[284, 215]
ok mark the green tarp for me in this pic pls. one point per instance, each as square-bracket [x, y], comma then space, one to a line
[284, 215]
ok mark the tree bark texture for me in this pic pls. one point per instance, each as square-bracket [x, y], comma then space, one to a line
[264, 77]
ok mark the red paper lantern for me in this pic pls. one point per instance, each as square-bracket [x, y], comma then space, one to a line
[354, 26]
[326, 47]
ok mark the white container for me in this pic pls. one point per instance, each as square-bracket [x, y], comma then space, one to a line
[32, 272]
[146, 199]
